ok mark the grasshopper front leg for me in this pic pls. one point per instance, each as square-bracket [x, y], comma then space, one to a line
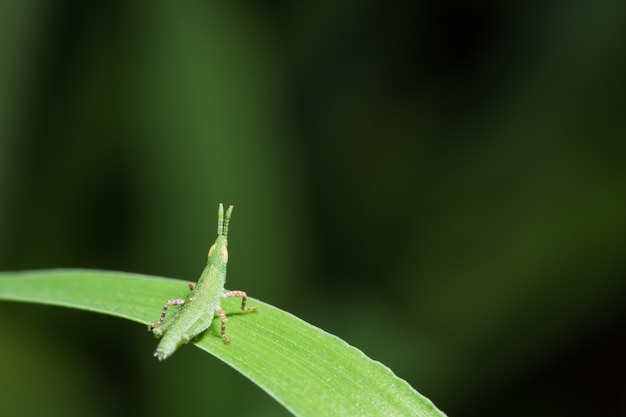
[220, 312]
[244, 298]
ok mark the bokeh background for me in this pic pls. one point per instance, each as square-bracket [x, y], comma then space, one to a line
[440, 183]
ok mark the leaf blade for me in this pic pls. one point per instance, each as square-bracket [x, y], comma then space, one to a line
[307, 370]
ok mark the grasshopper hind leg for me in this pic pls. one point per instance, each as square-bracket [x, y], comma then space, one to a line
[175, 302]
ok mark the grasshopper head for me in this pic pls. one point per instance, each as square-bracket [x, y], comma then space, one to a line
[221, 242]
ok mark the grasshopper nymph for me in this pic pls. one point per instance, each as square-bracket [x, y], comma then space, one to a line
[196, 312]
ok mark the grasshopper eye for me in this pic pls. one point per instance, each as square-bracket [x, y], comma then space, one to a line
[211, 249]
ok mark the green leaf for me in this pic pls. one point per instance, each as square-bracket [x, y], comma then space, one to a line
[308, 371]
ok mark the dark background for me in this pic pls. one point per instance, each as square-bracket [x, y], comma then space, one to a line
[442, 184]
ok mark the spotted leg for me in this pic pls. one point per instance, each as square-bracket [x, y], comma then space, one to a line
[222, 315]
[175, 302]
[244, 298]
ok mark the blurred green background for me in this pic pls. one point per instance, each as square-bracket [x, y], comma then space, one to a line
[442, 184]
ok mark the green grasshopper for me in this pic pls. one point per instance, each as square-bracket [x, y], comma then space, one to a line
[196, 312]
